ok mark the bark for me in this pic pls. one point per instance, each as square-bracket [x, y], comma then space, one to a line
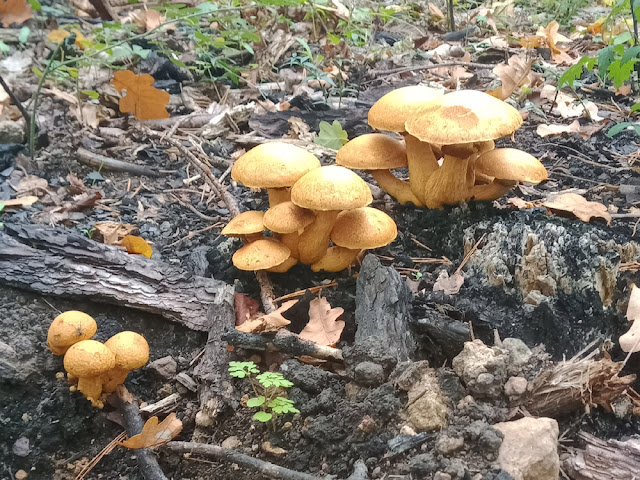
[603, 459]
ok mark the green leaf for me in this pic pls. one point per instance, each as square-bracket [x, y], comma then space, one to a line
[177, 62]
[262, 416]
[331, 135]
[630, 54]
[1, 206]
[616, 129]
[23, 36]
[573, 73]
[273, 379]
[606, 57]
[256, 402]
[35, 4]
[333, 38]
[4, 47]
[306, 47]
[282, 405]
[635, 107]
[91, 94]
[242, 369]
[620, 73]
[622, 38]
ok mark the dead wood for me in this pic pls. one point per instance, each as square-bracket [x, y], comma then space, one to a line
[283, 341]
[603, 459]
[105, 10]
[56, 261]
[100, 161]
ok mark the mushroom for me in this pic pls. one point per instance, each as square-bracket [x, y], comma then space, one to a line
[131, 351]
[354, 231]
[378, 154]
[247, 226]
[69, 328]
[275, 166]
[390, 113]
[87, 361]
[501, 169]
[327, 191]
[465, 123]
[288, 220]
[263, 254]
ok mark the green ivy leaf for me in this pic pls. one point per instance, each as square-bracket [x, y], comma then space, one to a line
[262, 416]
[616, 129]
[331, 135]
[256, 402]
[23, 36]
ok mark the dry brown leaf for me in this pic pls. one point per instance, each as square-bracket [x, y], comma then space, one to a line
[136, 246]
[112, 233]
[586, 131]
[568, 106]
[76, 186]
[269, 322]
[142, 99]
[513, 75]
[630, 341]
[522, 204]
[323, 328]
[155, 434]
[19, 202]
[58, 36]
[32, 184]
[147, 19]
[299, 130]
[14, 11]
[578, 206]
[558, 56]
[246, 308]
[450, 285]
[80, 202]
[435, 12]
[531, 42]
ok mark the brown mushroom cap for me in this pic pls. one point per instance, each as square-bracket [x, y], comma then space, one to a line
[464, 116]
[88, 358]
[287, 217]
[273, 165]
[69, 328]
[130, 348]
[261, 255]
[374, 151]
[511, 164]
[246, 223]
[392, 110]
[331, 188]
[363, 228]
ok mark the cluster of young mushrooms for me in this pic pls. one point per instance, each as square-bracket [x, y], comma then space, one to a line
[319, 215]
[93, 367]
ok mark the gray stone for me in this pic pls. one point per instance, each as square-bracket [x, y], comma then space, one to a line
[427, 409]
[477, 359]
[424, 464]
[231, 443]
[515, 387]
[441, 476]
[21, 447]
[446, 445]
[164, 367]
[519, 353]
[11, 132]
[369, 374]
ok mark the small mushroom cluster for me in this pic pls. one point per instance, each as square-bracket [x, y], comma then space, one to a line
[93, 367]
[448, 147]
[310, 208]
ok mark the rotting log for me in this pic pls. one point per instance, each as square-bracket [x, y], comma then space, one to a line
[55, 261]
[383, 308]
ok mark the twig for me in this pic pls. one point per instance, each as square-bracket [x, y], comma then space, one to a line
[197, 212]
[451, 19]
[16, 102]
[100, 161]
[300, 293]
[103, 453]
[416, 68]
[420, 244]
[147, 462]
[268, 469]
[190, 235]
[468, 256]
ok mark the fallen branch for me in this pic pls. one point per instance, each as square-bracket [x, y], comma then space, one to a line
[100, 161]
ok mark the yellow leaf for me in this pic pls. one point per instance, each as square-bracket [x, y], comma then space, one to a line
[578, 206]
[323, 328]
[558, 56]
[270, 322]
[531, 42]
[136, 245]
[155, 434]
[142, 99]
[14, 11]
[58, 36]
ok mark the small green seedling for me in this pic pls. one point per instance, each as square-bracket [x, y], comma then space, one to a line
[266, 387]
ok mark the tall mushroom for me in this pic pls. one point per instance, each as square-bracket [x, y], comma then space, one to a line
[326, 191]
[288, 220]
[354, 231]
[247, 226]
[275, 166]
[391, 112]
[131, 351]
[464, 122]
[378, 154]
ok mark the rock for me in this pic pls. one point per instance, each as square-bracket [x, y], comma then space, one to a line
[446, 445]
[307, 377]
[368, 425]
[231, 442]
[11, 132]
[276, 451]
[441, 476]
[490, 440]
[529, 450]
[519, 353]
[456, 469]
[21, 447]
[360, 471]
[21, 475]
[424, 464]
[12, 367]
[164, 367]
[407, 430]
[474, 362]
[369, 374]
[515, 387]
[426, 405]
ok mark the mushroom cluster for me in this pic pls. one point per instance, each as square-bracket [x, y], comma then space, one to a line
[448, 147]
[94, 368]
[317, 215]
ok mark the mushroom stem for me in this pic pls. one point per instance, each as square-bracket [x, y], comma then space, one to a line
[114, 377]
[252, 237]
[395, 187]
[450, 184]
[491, 191]
[291, 240]
[336, 259]
[278, 195]
[314, 241]
[422, 164]
[91, 388]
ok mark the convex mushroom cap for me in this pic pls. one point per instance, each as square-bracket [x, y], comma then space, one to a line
[363, 228]
[88, 358]
[69, 328]
[511, 164]
[261, 255]
[287, 217]
[248, 224]
[331, 188]
[392, 110]
[131, 351]
[373, 151]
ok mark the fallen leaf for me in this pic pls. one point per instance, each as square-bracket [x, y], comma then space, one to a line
[58, 36]
[112, 233]
[450, 285]
[299, 130]
[630, 341]
[19, 202]
[331, 135]
[531, 42]
[586, 131]
[521, 204]
[155, 434]
[76, 186]
[246, 308]
[136, 245]
[558, 56]
[323, 328]
[513, 75]
[269, 322]
[81, 202]
[32, 184]
[14, 11]
[578, 206]
[435, 12]
[147, 19]
[567, 106]
[141, 99]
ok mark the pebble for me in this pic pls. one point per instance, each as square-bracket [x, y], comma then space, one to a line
[369, 374]
[21, 447]
[515, 386]
[165, 367]
[21, 475]
[231, 442]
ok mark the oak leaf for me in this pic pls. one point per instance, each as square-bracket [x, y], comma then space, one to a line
[142, 99]
[585, 131]
[136, 245]
[14, 11]
[630, 341]
[269, 322]
[112, 233]
[513, 75]
[154, 434]
[323, 328]
[578, 206]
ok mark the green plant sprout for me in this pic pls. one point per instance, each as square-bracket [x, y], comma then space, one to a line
[266, 387]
